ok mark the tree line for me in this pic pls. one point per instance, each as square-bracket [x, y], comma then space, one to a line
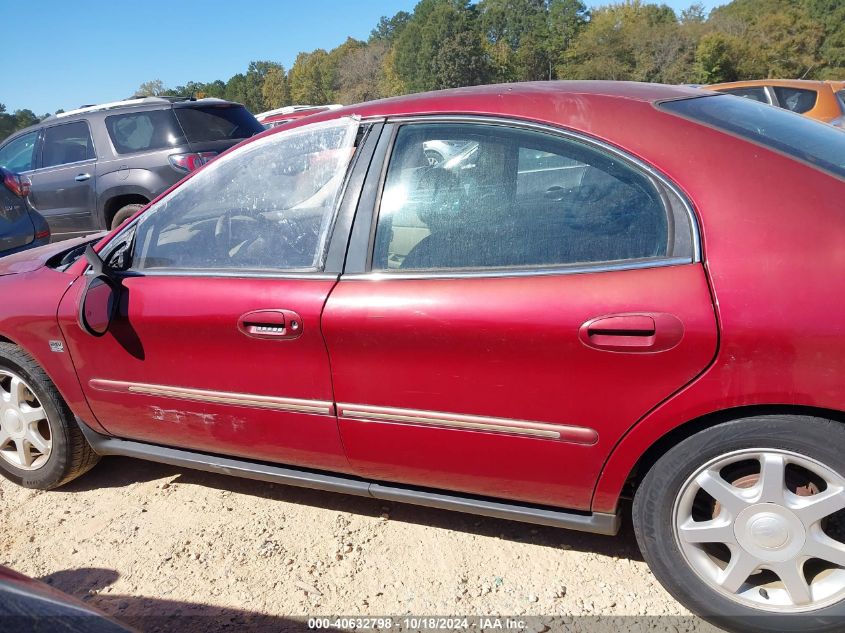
[451, 43]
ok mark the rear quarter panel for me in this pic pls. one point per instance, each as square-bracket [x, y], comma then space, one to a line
[773, 234]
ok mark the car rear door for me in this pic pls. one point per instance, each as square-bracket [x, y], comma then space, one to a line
[63, 185]
[515, 311]
[217, 345]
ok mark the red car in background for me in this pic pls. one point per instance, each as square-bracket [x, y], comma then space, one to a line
[280, 116]
[613, 291]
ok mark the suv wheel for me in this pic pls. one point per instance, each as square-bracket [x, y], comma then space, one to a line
[124, 213]
[41, 445]
[743, 523]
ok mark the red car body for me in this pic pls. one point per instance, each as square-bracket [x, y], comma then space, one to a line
[761, 330]
[290, 114]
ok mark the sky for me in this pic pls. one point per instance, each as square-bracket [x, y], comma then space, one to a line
[101, 50]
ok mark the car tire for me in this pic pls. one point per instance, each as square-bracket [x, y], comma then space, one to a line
[67, 454]
[750, 519]
[124, 213]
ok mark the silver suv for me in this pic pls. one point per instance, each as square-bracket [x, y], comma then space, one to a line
[94, 167]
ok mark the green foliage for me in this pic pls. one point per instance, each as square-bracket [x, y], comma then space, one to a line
[152, 88]
[236, 88]
[441, 35]
[449, 43]
[717, 58]
[388, 28]
[307, 85]
[17, 120]
[274, 89]
[361, 74]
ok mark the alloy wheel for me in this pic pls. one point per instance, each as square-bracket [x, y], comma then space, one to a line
[762, 527]
[25, 432]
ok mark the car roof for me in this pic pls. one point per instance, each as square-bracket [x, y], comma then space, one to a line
[531, 100]
[637, 91]
[121, 106]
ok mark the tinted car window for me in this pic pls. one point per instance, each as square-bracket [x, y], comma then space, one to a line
[267, 205]
[65, 144]
[755, 94]
[796, 99]
[841, 96]
[509, 198]
[144, 131]
[797, 136]
[217, 123]
[19, 154]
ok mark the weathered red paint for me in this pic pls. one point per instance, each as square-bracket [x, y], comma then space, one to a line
[762, 315]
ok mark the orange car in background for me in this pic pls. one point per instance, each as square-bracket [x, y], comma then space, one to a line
[821, 100]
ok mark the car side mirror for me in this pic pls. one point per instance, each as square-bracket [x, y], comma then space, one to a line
[98, 304]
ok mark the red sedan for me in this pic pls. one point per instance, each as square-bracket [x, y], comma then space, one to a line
[604, 292]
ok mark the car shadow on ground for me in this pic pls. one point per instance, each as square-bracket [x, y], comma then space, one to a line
[118, 472]
[153, 614]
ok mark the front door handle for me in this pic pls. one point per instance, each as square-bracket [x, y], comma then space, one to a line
[82, 177]
[648, 332]
[279, 325]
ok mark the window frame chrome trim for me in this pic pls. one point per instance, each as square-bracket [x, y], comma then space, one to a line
[228, 274]
[567, 269]
[546, 128]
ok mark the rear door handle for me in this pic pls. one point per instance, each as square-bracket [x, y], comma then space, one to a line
[82, 177]
[280, 325]
[633, 333]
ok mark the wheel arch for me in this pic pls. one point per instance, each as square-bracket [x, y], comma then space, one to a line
[605, 497]
[119, 200]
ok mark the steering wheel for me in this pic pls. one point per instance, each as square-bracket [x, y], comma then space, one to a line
[223, 229]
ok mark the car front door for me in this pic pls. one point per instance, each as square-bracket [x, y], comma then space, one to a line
[64, 185]
[217, 345]
[518, 308]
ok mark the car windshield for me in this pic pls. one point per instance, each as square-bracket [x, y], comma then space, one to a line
[812, 142]
[217, 123]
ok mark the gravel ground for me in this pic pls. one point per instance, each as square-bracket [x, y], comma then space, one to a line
[151, 544]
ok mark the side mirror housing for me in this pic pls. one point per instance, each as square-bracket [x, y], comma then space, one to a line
[98, 303]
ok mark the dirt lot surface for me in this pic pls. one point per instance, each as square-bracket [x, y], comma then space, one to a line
[151, 544]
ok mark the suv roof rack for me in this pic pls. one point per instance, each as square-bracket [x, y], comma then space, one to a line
[170, 98]
[110, 105]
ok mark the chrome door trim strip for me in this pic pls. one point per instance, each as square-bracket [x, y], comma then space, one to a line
[323, 407]
[362, 413]
[527, 428]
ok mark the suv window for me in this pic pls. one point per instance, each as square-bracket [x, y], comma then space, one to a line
[505, 198]
[841, 95]
[796, 99]
[19, 154]
[267, 205]
[217, 123]
[144, 131]
[799, 137]
[69, 143]
[755, 94]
